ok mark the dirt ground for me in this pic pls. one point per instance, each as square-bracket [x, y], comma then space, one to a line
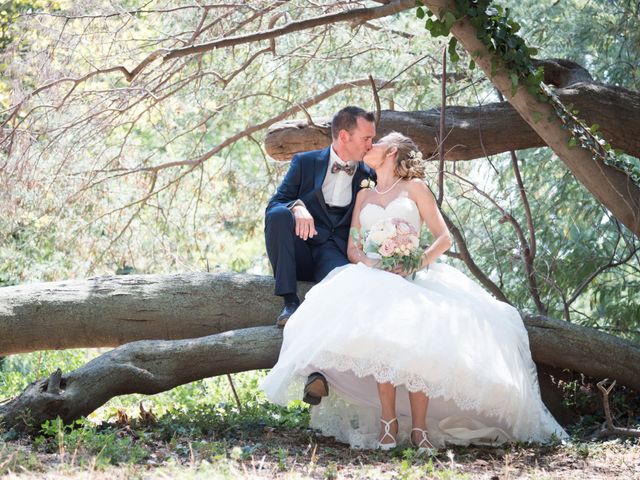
[300, 453]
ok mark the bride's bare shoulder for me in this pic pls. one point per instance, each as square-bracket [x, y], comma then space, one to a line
[418, 186]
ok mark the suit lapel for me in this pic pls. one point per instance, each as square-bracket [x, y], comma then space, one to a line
[321, 166]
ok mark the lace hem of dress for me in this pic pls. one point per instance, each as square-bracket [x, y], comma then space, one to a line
[383, 373]
[524, 425]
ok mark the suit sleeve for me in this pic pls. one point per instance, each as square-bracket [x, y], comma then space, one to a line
[287, 193]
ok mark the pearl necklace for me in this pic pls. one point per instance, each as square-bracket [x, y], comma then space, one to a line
[388, 189]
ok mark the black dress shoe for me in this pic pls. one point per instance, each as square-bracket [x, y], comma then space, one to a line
[315, 388]
[286, 312]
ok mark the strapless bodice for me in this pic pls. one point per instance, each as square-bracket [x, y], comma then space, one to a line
[401, 207]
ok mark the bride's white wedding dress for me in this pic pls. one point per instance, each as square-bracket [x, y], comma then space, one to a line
[440, 333]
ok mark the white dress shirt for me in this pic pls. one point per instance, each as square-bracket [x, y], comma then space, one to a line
[336, 187]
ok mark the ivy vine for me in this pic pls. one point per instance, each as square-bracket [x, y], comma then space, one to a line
[498, 32]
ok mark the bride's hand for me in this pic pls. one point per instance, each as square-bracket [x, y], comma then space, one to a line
[369, 262]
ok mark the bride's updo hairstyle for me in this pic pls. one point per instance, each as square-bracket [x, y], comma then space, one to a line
[409, 163]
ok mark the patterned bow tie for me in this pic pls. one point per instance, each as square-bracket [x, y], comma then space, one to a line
[349, 168]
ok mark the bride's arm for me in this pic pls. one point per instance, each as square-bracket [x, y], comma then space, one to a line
[354, 252]
[430, 214]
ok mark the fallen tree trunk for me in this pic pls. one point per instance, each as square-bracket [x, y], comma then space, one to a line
[152, 366]
[111, 311]
[148, 366]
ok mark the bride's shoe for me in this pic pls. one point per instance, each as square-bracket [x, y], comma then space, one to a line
[424, 445]
[387, 433]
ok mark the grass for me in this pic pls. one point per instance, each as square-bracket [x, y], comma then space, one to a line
[198, 431]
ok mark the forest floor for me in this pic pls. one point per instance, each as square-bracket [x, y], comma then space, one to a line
[183, 433]
[181, 446]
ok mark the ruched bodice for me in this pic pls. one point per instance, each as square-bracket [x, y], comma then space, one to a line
[401, 207]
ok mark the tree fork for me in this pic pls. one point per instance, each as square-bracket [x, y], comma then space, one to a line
[613, 188]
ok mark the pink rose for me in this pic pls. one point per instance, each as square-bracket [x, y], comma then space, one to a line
[387, 248]
[405, 240]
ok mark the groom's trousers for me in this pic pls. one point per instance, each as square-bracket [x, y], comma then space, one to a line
[294, 259]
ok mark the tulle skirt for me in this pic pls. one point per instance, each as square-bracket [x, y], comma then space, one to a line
[440, 334]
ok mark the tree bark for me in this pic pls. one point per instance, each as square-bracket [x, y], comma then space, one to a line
[475, 132]
[613, 188]
[113, 310]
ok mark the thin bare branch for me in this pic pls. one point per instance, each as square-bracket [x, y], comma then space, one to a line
[611, 428]
[350, 15]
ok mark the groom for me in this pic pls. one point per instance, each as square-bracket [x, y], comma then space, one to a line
[307, 221]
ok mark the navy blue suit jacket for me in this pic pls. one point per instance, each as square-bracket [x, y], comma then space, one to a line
[304, 181]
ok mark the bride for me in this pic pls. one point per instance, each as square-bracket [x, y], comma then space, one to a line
[431, 358]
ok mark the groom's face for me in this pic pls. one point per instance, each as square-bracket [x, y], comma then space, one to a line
[359, 140]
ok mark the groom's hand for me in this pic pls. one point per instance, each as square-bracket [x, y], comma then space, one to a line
[305, 227]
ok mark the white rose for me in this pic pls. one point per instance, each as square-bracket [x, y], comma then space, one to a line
[378, 236]
[388, 227]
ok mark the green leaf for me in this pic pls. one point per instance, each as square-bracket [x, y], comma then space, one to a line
[515, 26]
[573, 142]
[594, 128]
[449, 19]
[472, 65]
[536, 116]
[420, 13]
[514, 84]
[453, 55]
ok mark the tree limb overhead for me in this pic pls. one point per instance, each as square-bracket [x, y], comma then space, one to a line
[475, 132]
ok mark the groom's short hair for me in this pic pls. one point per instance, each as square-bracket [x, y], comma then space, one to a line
[347, 119]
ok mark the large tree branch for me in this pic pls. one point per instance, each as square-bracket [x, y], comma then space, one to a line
[148, 367]
[475, 132]
[111, 311]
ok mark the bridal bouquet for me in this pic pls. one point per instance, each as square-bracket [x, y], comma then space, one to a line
[392, 241]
